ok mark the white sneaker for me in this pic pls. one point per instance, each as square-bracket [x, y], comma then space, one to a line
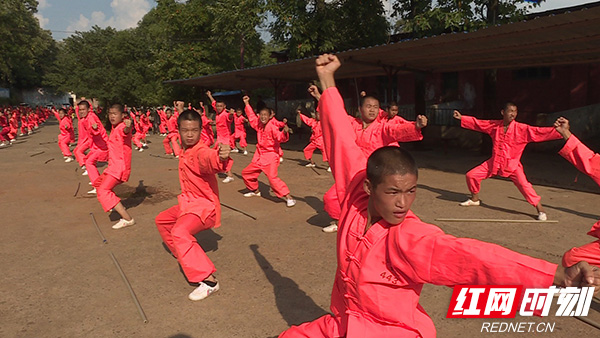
[470, 203]
[141, 149]
[69, 159]
[11, 141]
[93, 191]
[144, 145]
[203, 291]
[85, 173]
[235, 150]
[177, 156]
[90, 183]
[245, 152]
[542, 216]
[332, 227]
[122, 223]
[310, 165]
[291, 202]
[2, 144]
[228, 179]
[252, 194]
[281, 160]
[328, 169]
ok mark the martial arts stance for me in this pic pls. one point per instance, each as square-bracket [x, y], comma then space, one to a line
[84, 141]
[509, 139]
[173, 136]
[240, 132]
[119, 165]
[266, 157]
[372, 133]
[223, 121]
[589, 163]
[385, 253]
[98, 147]
[199, 207]
[316, 138]
[64, 138]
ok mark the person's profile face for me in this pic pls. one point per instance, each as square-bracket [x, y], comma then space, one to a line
[393, 111]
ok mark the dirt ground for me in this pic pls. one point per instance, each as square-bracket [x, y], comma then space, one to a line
[276, 271]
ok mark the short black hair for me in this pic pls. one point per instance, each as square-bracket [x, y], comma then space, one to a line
[393, 104]
[62, 110]
[362, 100]
[509, 104]
[269, 110]
[189, 115]
[390, 160]
[118, 107]
[84, 103]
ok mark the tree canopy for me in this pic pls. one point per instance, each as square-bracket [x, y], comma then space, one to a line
[183, 39]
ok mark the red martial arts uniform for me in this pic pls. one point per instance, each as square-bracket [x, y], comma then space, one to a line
[506, 153]
[206, 135]
[140, 132]
[316, 138]
[172, 137]
[198, 209]
[14, 126]
[589, 163]
[84, 142]
[66, 125]
[4, 128]
[266, 157]
[99, 145]
[119, 167]
[162, 127]
[223, 123]
[380, 273]
[378, 134]
[240, 130]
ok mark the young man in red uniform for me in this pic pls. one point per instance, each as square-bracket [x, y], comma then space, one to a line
[240, 131]
[509, 139]
[98, 147]
[119, 165]
[379, 237]
[371, 133]
[316, 138]
[4, 130]
[223, 121]
[266, 157]
[173, 136]
[587, 162]
[64, 138]
[198, 205]
[84, 141]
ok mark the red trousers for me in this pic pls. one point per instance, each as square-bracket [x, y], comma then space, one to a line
[90, 161]
[4, 134]
[589, 253]
[104, 185]
[310, 149]
[251, 172]
[242, 138]
[178, 234]
[137, 139]
[80, 152]
[63, 144]
[331, 203]
[173, 138]
[481, 172]
[325, 326]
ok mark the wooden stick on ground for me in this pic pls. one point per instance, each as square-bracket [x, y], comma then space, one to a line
[135, 300]
[98, 228]
[494, 220]
[238, 210]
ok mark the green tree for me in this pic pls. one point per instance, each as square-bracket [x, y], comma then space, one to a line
[26, 50]
[422, 17]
